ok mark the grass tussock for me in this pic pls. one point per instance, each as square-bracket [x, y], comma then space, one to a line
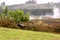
[44, 25]
[8, 24]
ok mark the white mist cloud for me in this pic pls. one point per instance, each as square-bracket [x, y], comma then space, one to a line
[11, 2]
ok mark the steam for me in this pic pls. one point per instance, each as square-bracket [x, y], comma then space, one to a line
[56, 12]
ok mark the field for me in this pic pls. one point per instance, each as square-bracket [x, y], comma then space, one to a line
[18, 34]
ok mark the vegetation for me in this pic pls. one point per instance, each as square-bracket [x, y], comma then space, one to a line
[11, 18]
[16, 34]
[14, 19]
[44, 25]
[17, 15]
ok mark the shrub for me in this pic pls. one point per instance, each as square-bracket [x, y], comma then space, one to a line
[19, 16]
[16, 15]
[37, 26]
[8, 23]
[42, 26]
[10, 18]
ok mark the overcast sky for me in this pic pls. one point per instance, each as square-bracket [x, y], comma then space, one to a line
[12, 2]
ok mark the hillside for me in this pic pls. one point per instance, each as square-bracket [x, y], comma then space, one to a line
[17, 34]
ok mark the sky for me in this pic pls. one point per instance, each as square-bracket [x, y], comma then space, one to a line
[12, 2]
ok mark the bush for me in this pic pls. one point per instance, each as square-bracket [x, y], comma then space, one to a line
[8, 23]
[11, 18]
[42, 26]
[37, 26]
[16, 15]
[19, 16]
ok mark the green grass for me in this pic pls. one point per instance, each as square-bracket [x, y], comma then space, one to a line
[16, 34]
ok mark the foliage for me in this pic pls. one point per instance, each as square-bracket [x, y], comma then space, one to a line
[25, 17]
[6, 22]
[5, 10]
[17, 15]
[11, 18]
[43, 25]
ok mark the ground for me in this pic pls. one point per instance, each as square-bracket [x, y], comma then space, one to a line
[18, 34]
